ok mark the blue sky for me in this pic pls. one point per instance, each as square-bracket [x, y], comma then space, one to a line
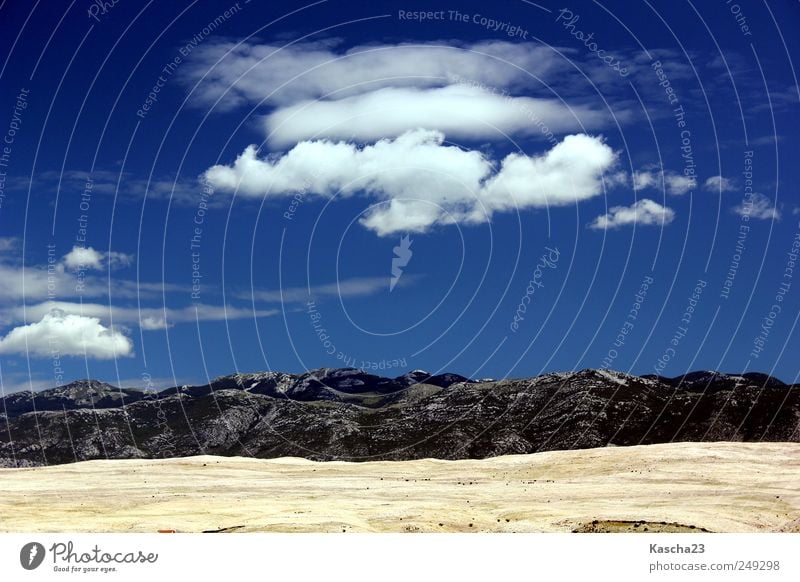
[194, 189]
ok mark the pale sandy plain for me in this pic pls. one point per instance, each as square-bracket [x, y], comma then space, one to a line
[721, 487]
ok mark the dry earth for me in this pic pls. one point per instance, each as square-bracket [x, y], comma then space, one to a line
[719, 487]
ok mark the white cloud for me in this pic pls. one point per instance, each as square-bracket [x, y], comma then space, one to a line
[128, 289]
[419, 181]
[678, 184]
[643, 212]
[566, 174]
[153, 322]
[53, 281]
[399, 215]
[33, 281]
[84, 258]
[767, 140]
[674, 183]
[8, 243]
[148, 318]
[354, 287]
[459, 111]
[719, 184]
[614, 179]
[237, 73]
[126, 187]
[759, 207]
[643, 180]
[406, 166]
[88, 258]
[318, 90]
[78, 329]
[69, 335]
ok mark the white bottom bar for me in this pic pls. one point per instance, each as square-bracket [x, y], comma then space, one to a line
[414, 557]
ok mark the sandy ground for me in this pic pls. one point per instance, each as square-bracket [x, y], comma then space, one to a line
[720, 487]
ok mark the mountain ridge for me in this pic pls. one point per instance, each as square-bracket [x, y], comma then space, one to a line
[421, 375]
[349, 414]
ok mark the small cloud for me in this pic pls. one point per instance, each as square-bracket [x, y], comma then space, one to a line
[674, 183]
[643, 180]
[152, 323]
[678, 184]
[767, 140]
[353, 287]
[614, 179]
[719, 184]
[123, 186]
[83, 258]
[759, 206]
[644, 212]
[8, 243]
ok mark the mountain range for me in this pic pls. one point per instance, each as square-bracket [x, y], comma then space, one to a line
[349, 414]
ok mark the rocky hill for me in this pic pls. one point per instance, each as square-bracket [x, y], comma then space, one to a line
[348, 414]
